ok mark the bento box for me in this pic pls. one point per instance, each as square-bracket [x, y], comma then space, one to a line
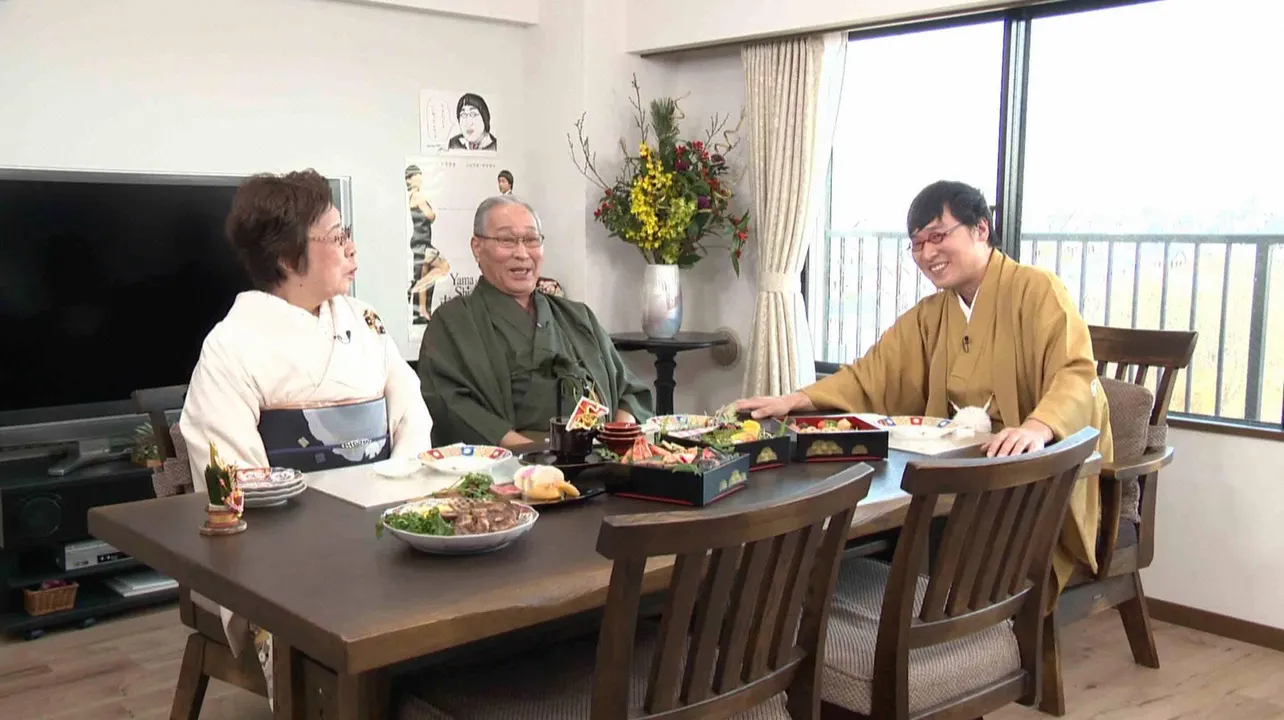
[837, 438]
[672, 473]
[769, 443]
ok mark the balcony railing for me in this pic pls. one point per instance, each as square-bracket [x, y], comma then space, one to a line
[1230, 288]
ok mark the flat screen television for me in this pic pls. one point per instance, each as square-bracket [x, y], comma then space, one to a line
[109, 283]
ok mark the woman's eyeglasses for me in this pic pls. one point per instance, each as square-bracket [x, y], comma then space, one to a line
[341, 237]
[935, 238]
[509, 242]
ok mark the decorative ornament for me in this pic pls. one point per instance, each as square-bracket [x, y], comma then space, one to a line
[226, 500]
[974, 418]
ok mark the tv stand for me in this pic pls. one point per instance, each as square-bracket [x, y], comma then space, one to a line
[87, 452]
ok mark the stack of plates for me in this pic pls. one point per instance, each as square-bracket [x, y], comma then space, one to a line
[268, 487]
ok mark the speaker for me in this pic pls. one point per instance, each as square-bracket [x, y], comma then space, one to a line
[39, 509]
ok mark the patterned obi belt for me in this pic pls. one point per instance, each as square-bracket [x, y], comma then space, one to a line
[324, 438]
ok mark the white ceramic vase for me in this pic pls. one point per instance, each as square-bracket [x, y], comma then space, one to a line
[661, 301]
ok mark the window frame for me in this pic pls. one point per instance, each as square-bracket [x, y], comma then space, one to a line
[1013, 96]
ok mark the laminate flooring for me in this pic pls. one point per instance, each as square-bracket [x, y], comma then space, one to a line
[126, 668]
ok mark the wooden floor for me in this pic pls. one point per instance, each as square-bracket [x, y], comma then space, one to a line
[126, 668]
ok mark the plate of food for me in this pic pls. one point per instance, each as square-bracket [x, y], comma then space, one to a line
[464, 459]
[663, 424]
[546, 486]
[917, 427]
[458, 525]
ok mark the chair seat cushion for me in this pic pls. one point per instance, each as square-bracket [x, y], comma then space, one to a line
[937, 673]
[548, 684]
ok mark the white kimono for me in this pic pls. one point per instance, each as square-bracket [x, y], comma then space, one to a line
[267, 355]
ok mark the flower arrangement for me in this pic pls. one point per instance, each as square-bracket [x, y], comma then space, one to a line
[672, 195]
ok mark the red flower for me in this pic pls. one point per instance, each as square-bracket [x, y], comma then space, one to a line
[608, 192]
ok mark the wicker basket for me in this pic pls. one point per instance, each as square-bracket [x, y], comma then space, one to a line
[43, 602]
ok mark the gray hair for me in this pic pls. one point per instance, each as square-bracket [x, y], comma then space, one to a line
[490, 203]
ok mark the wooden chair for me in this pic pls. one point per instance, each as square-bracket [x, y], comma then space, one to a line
[744, 621]
[1127, 535]
[207, 654]
[963, 639]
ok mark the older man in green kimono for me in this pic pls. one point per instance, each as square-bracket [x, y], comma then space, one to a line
[495, 365]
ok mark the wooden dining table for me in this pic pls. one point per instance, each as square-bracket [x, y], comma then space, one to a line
[344, 605]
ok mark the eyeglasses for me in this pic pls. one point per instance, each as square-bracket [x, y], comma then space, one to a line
[935, 238]
[509, 242]
[341, 238]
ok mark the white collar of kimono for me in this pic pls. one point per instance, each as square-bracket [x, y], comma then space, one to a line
[967, 309]
[267, 309]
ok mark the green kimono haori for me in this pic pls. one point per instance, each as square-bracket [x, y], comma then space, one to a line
[488, 366]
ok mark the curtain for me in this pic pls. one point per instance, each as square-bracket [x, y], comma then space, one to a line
[792, 90]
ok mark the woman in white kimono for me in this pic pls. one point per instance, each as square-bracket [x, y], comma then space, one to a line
[299, 374]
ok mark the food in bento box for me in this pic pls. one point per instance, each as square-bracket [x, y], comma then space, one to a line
[672, 456]
[824, 426]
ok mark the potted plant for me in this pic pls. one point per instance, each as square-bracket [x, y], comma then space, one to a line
[145, 449]
[668, 200]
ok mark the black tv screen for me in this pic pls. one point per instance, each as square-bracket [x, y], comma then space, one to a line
[108, 285]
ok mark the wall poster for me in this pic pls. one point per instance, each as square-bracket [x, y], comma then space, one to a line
[460, 163]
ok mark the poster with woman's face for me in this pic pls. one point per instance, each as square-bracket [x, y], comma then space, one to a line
[460, 121]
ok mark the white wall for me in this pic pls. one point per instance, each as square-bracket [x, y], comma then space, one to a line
[242, 86]
[659, 25]
[1219, 515]
[712, 81]
[525, 12]
[582, 69]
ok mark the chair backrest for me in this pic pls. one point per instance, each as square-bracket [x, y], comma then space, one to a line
[747, 602]
[992, 563]
[1134, 352]
[154, 402]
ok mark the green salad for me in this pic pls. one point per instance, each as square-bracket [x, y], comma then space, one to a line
[422, 521]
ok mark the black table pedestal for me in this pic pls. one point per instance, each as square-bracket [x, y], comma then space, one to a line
[666, 358]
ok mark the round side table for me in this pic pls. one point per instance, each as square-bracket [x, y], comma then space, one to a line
[666, 353]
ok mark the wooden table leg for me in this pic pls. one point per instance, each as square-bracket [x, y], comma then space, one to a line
[304, 689]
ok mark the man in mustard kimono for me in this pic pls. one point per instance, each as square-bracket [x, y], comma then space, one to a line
[999, 335]
[495, 365]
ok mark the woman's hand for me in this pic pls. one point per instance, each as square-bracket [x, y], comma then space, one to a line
[779, 406]
[1029, 436]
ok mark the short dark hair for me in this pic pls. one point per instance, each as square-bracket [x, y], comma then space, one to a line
[413, 170]
[507, 176]
[476, 101]
[269, 222]
[966, 203]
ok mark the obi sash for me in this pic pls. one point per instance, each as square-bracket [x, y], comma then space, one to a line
[324, 438]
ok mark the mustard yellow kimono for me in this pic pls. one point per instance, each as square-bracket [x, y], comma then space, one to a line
[1025, 346]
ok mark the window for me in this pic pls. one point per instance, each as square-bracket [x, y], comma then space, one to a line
[1152, 184]
[902, 124]
[1146, 168]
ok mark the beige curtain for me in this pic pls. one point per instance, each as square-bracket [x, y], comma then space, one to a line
[792, 90]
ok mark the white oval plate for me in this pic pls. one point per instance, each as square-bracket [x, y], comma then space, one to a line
[397, 467]
[459, 544]
[464, 459]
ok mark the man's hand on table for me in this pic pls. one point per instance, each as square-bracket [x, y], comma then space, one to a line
[779, 406]
[1027, 437]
